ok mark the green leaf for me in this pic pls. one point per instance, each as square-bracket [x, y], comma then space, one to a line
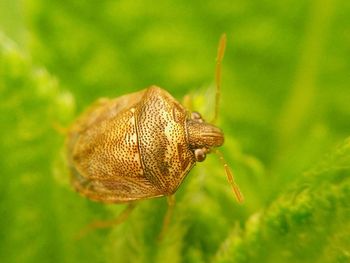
[308, 223]
[284, 105]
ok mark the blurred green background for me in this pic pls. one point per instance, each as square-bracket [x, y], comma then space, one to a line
[285, 112]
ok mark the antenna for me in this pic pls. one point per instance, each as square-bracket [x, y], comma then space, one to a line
[220, 56]
[230, 178]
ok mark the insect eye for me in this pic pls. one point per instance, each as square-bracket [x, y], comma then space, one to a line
[196, 116]
[200, 155]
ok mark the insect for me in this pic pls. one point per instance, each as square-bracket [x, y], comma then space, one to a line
[140, 146]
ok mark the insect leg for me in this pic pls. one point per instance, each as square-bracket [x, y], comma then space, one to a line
[168, 215]
[108, 223]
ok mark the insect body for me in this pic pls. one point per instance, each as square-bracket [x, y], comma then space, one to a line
[140, 145]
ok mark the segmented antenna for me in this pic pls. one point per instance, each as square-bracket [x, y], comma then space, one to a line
[220, 56]
[230, 178]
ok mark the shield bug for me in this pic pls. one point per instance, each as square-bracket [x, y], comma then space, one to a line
[141, 145]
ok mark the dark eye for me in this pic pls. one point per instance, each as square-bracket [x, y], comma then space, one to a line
[200, 155]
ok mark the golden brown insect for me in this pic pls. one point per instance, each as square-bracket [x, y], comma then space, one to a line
[140, 145]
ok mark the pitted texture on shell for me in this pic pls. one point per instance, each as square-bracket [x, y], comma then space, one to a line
[203, 135]
[130, 148]
[163, 142]
[104, 151]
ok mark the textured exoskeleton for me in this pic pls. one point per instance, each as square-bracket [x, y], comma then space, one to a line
[137, 146]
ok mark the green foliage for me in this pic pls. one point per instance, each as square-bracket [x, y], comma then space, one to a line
[308, 223]
[285, 112]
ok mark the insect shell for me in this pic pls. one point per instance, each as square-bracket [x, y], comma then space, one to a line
[137, 146]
